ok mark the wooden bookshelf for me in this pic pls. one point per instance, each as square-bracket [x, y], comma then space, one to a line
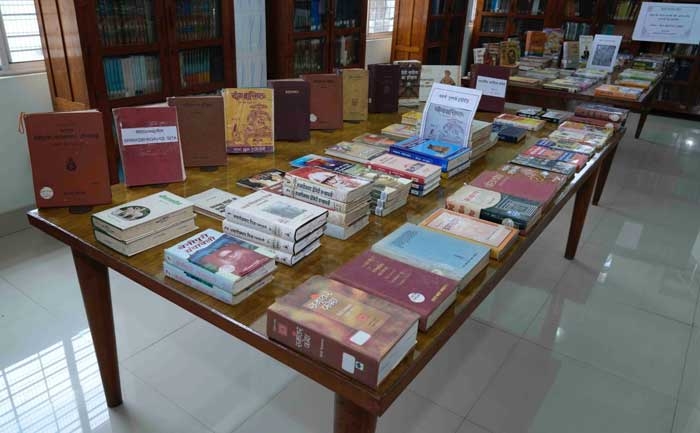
[314, 36]
[104, 54]
[430, 31]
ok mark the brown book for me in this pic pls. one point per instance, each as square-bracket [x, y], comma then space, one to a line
[352, 331]
[68, 156]
[384, 79]
[201, 122]
[355, 94]
[489, 73]
[326, 95]
[291, 109]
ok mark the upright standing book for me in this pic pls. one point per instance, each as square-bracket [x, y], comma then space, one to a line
[355, 94]
[384, 81]
[409, 84]
[68, 156]
[149, 144]
[326, 93]
[249, 115]
[201, 121]
[292, 109]
[492, 81]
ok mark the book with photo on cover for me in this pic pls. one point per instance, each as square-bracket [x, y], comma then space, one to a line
[249, 120]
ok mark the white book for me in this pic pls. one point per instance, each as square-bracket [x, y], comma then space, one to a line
[270, 241]
[212, 202]
[131, 248]
[345, 232]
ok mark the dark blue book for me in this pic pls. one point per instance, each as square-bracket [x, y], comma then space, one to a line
[512, 134]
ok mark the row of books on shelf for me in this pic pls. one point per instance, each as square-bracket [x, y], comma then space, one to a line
[200, 66]
[197, 20]
[309, 15]
[494, 24]
[502, 6]
[131, 76]
[625, 10]
[126, 22]
[573, 30]
[682, 49]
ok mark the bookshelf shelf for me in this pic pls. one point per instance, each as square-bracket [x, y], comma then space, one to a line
[121, 50]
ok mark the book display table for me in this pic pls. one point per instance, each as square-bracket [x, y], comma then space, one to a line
[357, 406]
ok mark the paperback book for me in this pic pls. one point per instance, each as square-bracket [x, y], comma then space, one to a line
[355, 151]
[327, 184]
[263, 180]
[249, 120]
[578, 159]
[375, 140]
[418, 172]
[134, 246]
[566, 145]
[212, 202]
[355, 94]
[556, 166]
[201, 123]
[409, 82]
[531, 184]
[520, 122]
[448, 156]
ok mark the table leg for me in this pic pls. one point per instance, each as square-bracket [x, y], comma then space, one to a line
[94, 285]
[603, 175]
[351, 418]
[583, 199]
[642, 118]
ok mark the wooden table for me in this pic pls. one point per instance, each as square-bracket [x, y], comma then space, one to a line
[356, 406]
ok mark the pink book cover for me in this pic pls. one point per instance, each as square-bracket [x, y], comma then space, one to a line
[536, 185]
[558, 155]
[149, 144]
[414, 289]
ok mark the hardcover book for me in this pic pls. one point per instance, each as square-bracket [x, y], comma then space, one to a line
[448, 156]
[149, 144]
[326, 92]
[587, 138]
[564, 168]
[585, 128]
[531, 184]
[229, 263]
[512, 134]
[425, 293]
[417, 171]
[497, 237]
[276, 214]
[201, 122]
[566, 145]
[375, 140]
[384, 81]
[578, 159]
[495, 207]
[265, 179]
[409, 82]
[355, 151]
[328, 184]
[358, 334]
[490, 80]
[292, 109]
[68, 156]
[275, 244]
[434, 252]
[212, 202]
[520, 122]
[134, 246]
[443, 74]
[355, 94]
[615, 126]
[555, 116]
[618, 92]
[249, 120]
[602, 111]
[345, 232]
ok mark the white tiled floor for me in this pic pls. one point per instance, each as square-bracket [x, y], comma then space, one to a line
[605, 343]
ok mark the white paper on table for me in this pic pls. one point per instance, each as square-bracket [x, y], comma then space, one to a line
[668, 22]
[448, 114]
[604, 52]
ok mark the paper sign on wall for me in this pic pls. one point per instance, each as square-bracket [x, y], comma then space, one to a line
[668, 22]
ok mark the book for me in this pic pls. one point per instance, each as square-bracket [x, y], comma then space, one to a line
[520, 122]
[345, 232]
[578, 159]
[149, 214]
[509, 53]
[479, 130]
[435, 252]
[249, 118]
[222, 260]
[519, 80]
[183, 277]
[400, 130]
[324, 162]
[552, 45]
[602, 111]
[633, 82]
[447, 155]
[419, 172]
[134, 246]
[425, 293]
[68, 158]
[534, 43]
[531, 112]
[615, 126]
[269, 241]
[494, 206]
[326, 94]
[443, 74]
[531, 184]
[292, 109]
[384, 81]
[585, 128]
[276, 214]
[409, 82]
[262, 180]
[570, 55]
[512, 134]
[498, 238]
[566, 145]
[555, 116]
[591, 139]
[355, 151]
[619, 92]
[604, 51]
[327, 184]
[149, 145]
[358, 334]
[584, 48]
[212, 202]
[556, 166]
[201, 123]
[492, 81]
[336, 207]
[355, 93]
[412, 118]
[375, 140]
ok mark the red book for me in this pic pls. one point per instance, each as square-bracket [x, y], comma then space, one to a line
[326, 94]
[528, 183]
[68, 156]
[149, 144]
[352, 331]
[291, 109]
[579, 159]
[425, 293]
[201, 123]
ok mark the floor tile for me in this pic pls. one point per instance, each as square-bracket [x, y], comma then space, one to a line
[511, 307]
[690, 386]
[642, 347]
[219, 380]
[687, 419]
[24, 245]
[470, 427]
[538, 391]
[539, 267]
[313, 413]
[459, 373]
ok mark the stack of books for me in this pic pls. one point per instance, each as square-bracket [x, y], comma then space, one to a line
[212, 202]
[347, 198]
[572, 84]
[355, 151]
[401, 131]
[291, 228]
[542, 153]
[590, 135]
[425, 177]
[600, 115]
[519, 122]
[593, 74]
[637, 78]
[412, 118]
[451, 158]
[519, 80]
[378, 140]
[546, 74]
[481, 138]
[619, 92]
[222, 266]
[534, 62]
[548, 115]
[142, 224]
[389, 192]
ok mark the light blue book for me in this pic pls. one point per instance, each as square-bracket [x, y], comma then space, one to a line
[435, 252]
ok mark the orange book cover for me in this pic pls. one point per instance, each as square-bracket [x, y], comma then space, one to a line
[618, 92]
[534, 43]
[249, 120]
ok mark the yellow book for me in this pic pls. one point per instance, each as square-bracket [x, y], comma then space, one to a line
[249, 120]
[411, 118]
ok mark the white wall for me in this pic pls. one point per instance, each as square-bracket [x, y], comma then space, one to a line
[22, 93]
[377, 51]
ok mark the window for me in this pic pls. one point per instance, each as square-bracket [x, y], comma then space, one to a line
[20, 42]
[380, 19]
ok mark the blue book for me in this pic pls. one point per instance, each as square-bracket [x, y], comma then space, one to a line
[323, 162]
[436, 252]
[446, 155]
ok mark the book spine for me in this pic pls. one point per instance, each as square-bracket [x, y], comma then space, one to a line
[310, 197]
[257, 237]
[203, 274]
[441, 162]
[191, 281]
[326, 350]
[299, 184]
[256, 222]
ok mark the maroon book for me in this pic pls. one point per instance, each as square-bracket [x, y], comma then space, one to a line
[201, 123]
[68, 156]
[384, 81]
[425, 293]
[528, 183]
[292, 109]
[489, 74]
[326, 95]
[149, 144]
[352, 331]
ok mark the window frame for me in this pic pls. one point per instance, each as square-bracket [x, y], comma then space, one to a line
[378, 35]
[8, 68]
